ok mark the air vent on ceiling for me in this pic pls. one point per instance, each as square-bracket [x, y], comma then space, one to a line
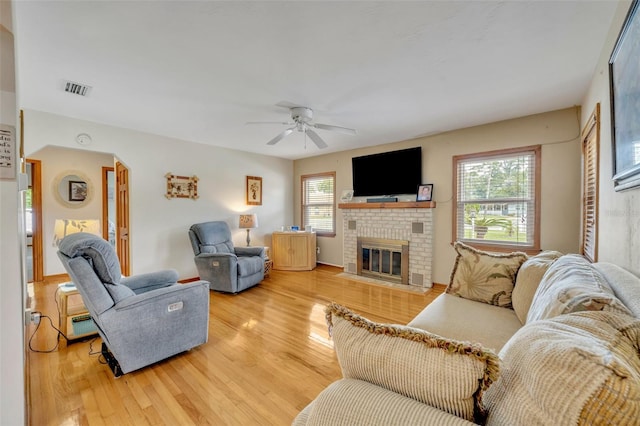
[76, 88]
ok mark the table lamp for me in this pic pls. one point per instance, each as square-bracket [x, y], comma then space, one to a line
[248, 221]
[64, 227]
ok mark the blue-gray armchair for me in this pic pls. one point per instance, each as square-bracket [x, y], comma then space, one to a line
[227, 268]
[142, 319]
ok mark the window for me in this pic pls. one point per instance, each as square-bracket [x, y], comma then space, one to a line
[318, 202]
[496, 199]
[590, 143]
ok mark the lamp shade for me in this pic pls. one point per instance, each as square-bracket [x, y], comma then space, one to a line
[64, 227]
[248, 221]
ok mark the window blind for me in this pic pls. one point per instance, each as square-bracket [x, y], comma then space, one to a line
[590, 148]
[318, 202]
[496, 198]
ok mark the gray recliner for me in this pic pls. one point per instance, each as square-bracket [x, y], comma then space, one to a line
[227, 268]
[141, 319]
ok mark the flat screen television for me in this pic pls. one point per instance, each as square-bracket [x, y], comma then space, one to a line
[387, 173]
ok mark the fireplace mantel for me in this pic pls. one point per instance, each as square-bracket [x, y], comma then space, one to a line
[398, 205]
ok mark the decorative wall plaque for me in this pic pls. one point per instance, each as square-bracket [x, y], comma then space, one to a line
[181, 186]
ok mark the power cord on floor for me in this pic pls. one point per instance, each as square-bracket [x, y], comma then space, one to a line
[39, 315]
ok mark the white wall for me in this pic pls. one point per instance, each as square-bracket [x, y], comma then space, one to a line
[159, 225]
[557, 132]
[619, 212]
[12, 294]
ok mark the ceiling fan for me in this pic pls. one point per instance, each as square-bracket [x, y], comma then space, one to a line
[302, 121]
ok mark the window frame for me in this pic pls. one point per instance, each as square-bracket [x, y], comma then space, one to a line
[496, 246]
[303, 205]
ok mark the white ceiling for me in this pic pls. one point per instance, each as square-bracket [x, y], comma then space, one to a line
[393, 70]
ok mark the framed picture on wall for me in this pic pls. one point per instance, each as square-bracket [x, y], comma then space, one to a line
[425, 192]
[254, 190]
[624, 69]
[77, 190]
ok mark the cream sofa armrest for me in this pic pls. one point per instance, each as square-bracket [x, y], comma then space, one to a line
[356, 402]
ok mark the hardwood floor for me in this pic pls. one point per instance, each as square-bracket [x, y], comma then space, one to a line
[267, 357]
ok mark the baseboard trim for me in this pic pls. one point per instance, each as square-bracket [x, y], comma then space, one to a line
[56, 277]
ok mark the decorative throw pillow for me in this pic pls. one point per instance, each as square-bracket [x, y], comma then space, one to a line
[449, 375]
[573, 284]
[484, 277]
[528, 279]
[581, 368]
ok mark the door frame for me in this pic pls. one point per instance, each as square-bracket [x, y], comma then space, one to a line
[36, 218]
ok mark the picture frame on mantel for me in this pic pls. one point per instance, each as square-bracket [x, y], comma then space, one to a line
[254, 190]
[624, 85]
[425, 192]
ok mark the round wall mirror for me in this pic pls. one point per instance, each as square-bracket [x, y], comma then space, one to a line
[73, 189]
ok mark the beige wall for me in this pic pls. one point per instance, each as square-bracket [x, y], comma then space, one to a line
[556, 131]
[159, 226]
[619, 212]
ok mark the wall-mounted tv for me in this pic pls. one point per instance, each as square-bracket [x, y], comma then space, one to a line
[387, 173]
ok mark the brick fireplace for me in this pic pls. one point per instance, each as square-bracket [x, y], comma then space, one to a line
[408, 222]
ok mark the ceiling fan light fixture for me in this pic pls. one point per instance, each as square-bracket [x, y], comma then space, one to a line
[302, 122]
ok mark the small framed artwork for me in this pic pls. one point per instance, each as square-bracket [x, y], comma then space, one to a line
[77, 190]
[254, 190]
[181, 186]
[425, 192]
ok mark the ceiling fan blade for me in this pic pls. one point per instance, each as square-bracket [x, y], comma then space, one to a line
[316, 139]
[334, 128]
[267, 122]
[280, 137]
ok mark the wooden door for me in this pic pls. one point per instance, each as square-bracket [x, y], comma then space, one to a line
[280, 250]
[122, 218]
[298, 251]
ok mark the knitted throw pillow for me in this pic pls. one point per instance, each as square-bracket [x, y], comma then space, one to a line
[443, 373]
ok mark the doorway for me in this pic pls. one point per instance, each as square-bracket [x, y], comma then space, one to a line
[43, 211]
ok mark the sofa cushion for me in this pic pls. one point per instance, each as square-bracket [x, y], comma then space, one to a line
[624, 284]
[443, 373]
[484, 277]
[529, 276]
[572, 284]
[465, 320]
[580, 368]
[356, 402]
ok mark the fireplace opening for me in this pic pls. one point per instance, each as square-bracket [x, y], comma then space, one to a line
[383, 259]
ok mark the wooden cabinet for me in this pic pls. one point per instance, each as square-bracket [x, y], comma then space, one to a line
[294, 251]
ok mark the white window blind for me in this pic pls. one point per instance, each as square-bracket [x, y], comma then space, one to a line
[590, 148]
[495, 198]
[318, 202]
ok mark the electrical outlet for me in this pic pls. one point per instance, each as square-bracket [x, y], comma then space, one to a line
[318, 250]
[30, 316]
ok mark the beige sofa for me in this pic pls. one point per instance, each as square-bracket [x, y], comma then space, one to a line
[515, 340]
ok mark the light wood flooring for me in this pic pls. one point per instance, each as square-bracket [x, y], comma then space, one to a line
[267, 357]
